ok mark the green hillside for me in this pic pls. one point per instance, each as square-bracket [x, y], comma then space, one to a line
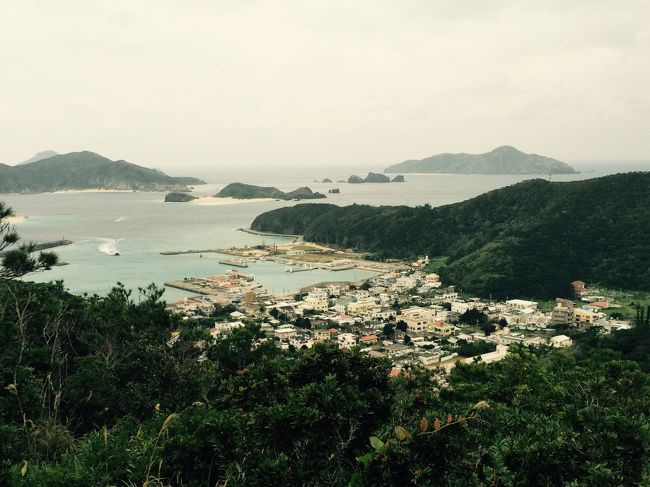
[502, 160]
[529, 239]
[85, 170]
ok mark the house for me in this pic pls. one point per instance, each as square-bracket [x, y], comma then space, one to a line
[347, 340]
[560, 341]
[441, 328]
[316, 300]
[584, 316]
[285, 332]
[417, 319]
[521, 304]
[562, 313]
[580, 287]
[320, 335]
[368, 339]
[362, 305]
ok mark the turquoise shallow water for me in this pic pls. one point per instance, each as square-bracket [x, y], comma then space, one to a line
[141, 225]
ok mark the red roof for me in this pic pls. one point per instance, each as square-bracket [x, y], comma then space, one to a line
[369, 338]
[394, 372]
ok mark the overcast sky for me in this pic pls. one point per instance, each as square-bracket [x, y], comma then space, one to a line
[360, 83]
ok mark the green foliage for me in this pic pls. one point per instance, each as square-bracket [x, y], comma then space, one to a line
[473, 317]
[530, 239]
[472, 349]
[18, 259]
[95, 392]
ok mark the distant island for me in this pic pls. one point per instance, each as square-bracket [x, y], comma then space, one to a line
[374, 177]
[249, 191]
[502, 160]
[84, 171]
[177, 197]
[530, 239]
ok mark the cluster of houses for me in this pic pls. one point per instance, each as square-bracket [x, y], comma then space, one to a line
[406, 316]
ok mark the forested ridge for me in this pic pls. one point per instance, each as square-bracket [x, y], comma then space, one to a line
[95, 392]
[502, 160]
[85, 170]
[530, 239]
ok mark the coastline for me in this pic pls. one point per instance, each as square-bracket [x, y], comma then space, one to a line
[91, 190]
[218, 201]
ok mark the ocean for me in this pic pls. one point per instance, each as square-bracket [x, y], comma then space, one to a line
[140, 225]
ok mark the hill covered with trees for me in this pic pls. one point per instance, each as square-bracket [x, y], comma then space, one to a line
[502, 160]
[86, 170]
[529, 239]
[250, 191]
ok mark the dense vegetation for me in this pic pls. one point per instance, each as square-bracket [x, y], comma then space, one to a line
[95, 392]
[529, 239]
[115, 390]
[249, 191]
[502, 160]
[85, 170]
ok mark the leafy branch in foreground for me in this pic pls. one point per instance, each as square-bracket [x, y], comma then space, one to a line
[18, 259]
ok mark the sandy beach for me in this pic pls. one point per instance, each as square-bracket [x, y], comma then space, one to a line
[92, 190]
[218, 201]
[12, 220]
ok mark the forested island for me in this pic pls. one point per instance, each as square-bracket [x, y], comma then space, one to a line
[529, 239]
[502, 160]
[86, 170]
[249, 191]
[374, 177]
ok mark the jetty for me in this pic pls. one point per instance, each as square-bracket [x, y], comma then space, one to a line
[234, 262]
[53, 244]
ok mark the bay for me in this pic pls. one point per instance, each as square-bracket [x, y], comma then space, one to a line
[140, 226]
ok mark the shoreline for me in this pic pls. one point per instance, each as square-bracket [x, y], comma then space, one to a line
[91, 190]
[12, 220]
[267, 234]
[218, 200]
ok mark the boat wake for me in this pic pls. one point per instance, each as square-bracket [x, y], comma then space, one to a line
[109, 246]
[120, 219]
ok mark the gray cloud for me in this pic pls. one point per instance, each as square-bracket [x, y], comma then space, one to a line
[209, 83]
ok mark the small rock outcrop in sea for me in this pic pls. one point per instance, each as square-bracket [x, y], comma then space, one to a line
[398, 179]
[374, 177]
[354, 179]
[178, 197]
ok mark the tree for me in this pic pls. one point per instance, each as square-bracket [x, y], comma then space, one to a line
[19, 259]
[401, 326]
[488, 328]
[473, 317]
[389, 330]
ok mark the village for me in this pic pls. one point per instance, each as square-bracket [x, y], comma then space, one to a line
[406, 315]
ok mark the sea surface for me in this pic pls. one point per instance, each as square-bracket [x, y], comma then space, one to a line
[140, 225]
